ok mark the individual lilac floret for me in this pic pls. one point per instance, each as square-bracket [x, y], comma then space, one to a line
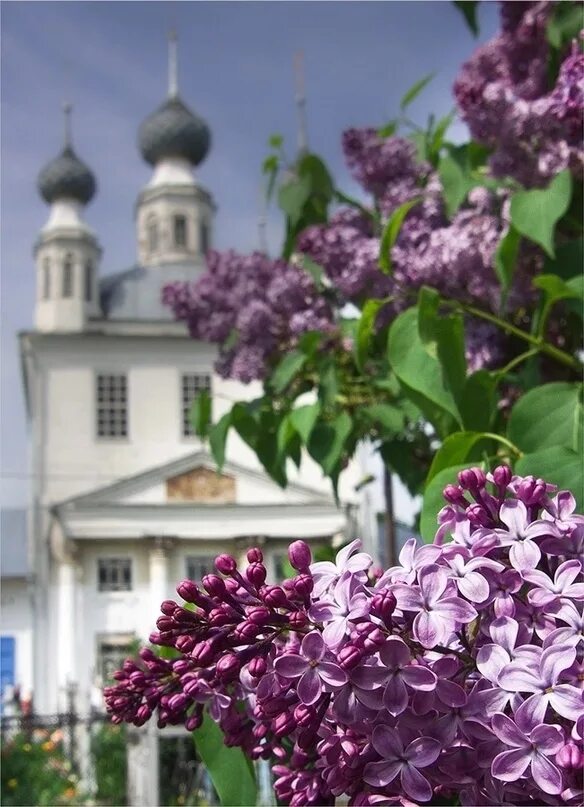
[310, 668]
[437, 616]
[349, 603]
[348, 559]
[402, 674]
[529, 750]
[403, 761]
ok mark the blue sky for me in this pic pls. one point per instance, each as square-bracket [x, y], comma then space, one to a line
[109, 59]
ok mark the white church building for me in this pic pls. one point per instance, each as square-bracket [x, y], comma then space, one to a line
[109, 379]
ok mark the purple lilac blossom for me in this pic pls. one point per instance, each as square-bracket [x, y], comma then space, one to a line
[426, 690]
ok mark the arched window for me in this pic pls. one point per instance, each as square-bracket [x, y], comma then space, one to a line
[46, 279]
[180, 231]
[68, 275]
[88, 280]
[152, 232]
[204, 237]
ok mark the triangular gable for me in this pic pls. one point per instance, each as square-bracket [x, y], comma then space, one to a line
[194, 478]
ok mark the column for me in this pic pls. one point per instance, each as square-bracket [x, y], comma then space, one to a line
[158, 559]
[66, 635]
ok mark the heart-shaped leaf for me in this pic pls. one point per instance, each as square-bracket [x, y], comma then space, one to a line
[535, 213]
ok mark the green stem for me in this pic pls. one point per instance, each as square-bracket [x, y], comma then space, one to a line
[517, 360]
[505, 442]
[538, 342]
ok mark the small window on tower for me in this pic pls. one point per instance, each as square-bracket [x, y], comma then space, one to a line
[88, 280]
[68, 276]
[46, 279]
[180, 231]
[112, 405]
[152, 230]
[192, 385]
[204, 236]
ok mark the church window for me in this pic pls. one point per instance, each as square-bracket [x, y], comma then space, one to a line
[114, 574]
[180, 231]
[204, 237]
[46, 279]
[191, 385]
[112, 650]
[68, 276]
[152, 231]
[200, 565]
[112, 405]
[88, 280]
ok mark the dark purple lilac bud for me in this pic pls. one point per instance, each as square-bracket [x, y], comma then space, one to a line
[298, 620]
[188, 591]
[472, 479]
[259, 615]
[531, 491]
[303, 585]
[307, 738]
[349, 657]
[214, 585]
[477, 515]
[257, 667]
[228, 667]
[203, 654]
[225, 564]
[119, 675]
[220, 616]
[304, 715]
[231, 586]
[383, 606]
[570, 757]
[181, 666]
[194, 721]
[254, 555]
[167, 607]
[299, 555]
[147, 655]
[283, 725]
[256, 574]
[144, 713]
[185, 643]
[178, 702]
[259, 731]
[246, 631]
[138, 678]
[454, 495]
[502, 476]
[185, 617]
[275, 597]
[374, 640]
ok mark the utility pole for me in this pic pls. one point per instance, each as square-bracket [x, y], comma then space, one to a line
[389, 519]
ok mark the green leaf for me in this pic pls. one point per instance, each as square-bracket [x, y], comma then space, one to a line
[428, 302]
[293, 196]
[505, 260]
[389, 418]
[569, 260]
[556, 289]
[313, 168]
[231, 772]
[559, 465]
[415, 90]
[327, 441]
[535, 213]
[303, 419]
[450, 331]
[437, 139]
[434, 501]
[200, 413]
[478, 402]
[313, 269]
[329, 386]
[218, 438]
[455, 179]
[458, 448]
[287, 369]
[365, 330]
[415, 368]
[565, 24]
[275, 141]
[244, 423]
[391, 232]
[468, 9]
[547, 416]
[388, 130]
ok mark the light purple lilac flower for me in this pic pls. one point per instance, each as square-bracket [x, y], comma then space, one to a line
[311, 669]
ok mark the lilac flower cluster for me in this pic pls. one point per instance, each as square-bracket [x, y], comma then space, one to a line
[503, 95]
[456, 673]
[252, 307]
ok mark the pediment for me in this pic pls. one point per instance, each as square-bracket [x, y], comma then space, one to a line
[202, 486]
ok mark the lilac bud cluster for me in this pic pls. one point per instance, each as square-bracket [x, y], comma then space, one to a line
[503, 95]
[456, 673]
[253, 307]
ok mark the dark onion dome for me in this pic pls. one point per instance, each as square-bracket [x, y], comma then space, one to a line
[174, 131]
[66, 177]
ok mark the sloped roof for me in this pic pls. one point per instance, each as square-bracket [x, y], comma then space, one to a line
[13, 543]
[136, 293]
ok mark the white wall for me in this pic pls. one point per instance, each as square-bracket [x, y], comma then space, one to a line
[16, 621]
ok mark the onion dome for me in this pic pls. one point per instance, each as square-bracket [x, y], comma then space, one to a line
[174, 131]
[67, 176]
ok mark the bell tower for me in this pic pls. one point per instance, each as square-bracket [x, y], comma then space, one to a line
[66, 252]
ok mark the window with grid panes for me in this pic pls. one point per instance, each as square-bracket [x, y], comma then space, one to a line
[112, 651]
[68, 276]
[200, 565]
[112, 405]
[114, 574]
[191, 385]
[180, 231]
